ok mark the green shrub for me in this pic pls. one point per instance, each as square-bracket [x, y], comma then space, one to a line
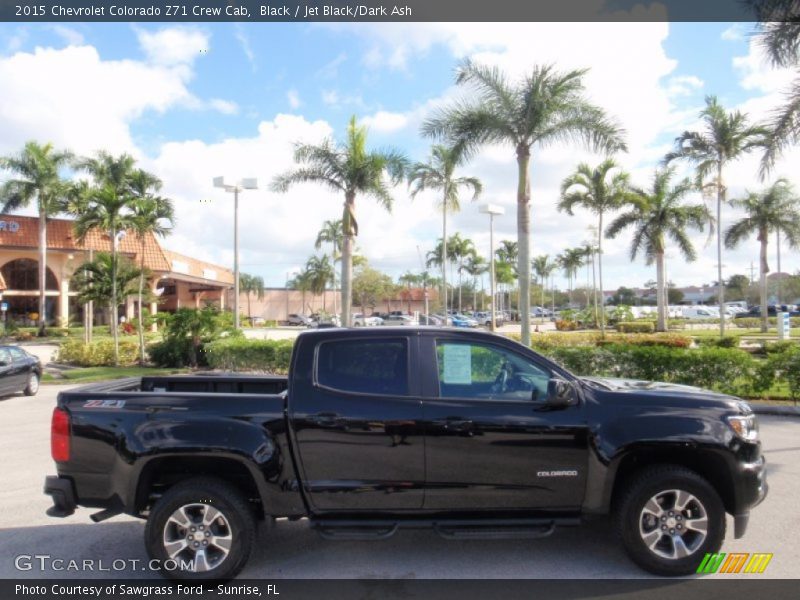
[778, 347]
[566, 325]
[238, 354]
[98, 353]
[176, 352]
[786, 366]
[636, 327]
[728, 341]
[755, 322]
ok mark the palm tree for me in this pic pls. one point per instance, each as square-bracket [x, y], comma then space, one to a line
[780, 36]
[331, 233]
[320, 273]
[438, 174]
[39, 180]
[434, 259]
[775, 209]
[656, 215]
[598, 192]
[508, 253]
[570, 261]
[95, 280]
[350, 169]
[107, 207]
[301, 282]
[251, 284]
[726, 137]
[150, 215]
[543, 108]
[475, 266]
[543, 267]
[462, 248]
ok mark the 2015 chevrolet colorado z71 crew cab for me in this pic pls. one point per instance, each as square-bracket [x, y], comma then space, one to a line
[376, 429]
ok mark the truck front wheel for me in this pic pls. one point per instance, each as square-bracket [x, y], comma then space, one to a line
[200, 529]
[669, 518]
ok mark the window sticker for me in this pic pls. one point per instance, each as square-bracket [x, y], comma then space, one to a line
[457, 360]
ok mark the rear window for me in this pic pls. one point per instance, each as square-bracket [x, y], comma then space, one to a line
[364, 366]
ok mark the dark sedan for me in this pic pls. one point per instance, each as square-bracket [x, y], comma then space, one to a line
[19, 371]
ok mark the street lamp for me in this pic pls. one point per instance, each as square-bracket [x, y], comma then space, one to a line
[492, 210]
[244, 184]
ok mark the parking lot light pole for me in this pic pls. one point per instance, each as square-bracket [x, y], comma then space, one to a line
[244, 184]
[492, 210]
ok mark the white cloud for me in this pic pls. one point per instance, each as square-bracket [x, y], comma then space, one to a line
[16, 40]
[683, 85]
[331, 69]
[334, 99]
[756, 72]
[173, 45]
[735, 33]
[246, 46]
[226, 107]
[71, 36]
[294, 99]
[385, 122]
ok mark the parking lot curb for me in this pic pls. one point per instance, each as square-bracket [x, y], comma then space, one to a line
[776, 409]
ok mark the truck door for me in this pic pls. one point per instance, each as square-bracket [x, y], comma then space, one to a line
[491, 440]
[356, 418]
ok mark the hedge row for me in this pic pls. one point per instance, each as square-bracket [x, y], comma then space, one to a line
[98, 354]
[755, 322]
[239, 354]
[727, 370]
[544, 341]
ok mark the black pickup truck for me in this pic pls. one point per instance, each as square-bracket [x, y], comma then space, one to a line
[373, 430]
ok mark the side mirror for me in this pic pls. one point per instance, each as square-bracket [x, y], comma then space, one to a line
[560, 393]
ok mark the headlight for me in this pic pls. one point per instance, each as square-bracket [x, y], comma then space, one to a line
[745, 427]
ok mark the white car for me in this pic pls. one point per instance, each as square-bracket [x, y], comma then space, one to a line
[359, 320]
[400, 320]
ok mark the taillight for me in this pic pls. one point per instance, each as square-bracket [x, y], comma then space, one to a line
[59, 435]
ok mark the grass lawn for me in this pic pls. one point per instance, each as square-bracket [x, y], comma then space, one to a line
[91, 374]
[739, 332]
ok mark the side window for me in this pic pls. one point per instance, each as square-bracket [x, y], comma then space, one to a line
[17, 354]
[5, 356]
[364, 366]
[488, 372]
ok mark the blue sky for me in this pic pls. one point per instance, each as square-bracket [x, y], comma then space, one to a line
[195, 101]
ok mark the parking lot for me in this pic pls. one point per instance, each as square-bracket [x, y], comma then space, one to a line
[291, 550]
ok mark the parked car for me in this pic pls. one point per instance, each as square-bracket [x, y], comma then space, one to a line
[772, 311]
[699, 312]
[485, 319]
[359, 320]
[399, 320]
[19, 371]
[432, 320]
[325, 320]
[299, 320]
[545, 449]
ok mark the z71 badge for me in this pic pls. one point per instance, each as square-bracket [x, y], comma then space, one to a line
[104, 404]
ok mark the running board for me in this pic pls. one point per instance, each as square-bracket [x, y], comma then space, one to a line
[452, 529]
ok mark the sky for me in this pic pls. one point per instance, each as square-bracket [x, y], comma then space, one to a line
[191, 102]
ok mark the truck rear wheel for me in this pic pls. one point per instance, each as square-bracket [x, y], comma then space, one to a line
[668, 520]
[200, 529]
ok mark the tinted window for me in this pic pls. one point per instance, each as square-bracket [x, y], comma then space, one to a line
[17, 353]
[5, 356]
[369, 367]
[488, 372]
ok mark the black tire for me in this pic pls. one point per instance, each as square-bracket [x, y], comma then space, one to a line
[239, 523]
[32, 387]
[634, 522]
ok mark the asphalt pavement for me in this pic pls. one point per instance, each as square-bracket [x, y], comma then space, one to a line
[292, 550]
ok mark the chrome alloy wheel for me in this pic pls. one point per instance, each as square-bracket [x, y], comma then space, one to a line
[33, 384]
[198, 534]
[673, 524]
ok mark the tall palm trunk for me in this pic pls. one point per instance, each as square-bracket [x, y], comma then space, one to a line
[720, 283]
[594, 292]
[444, 254]
[114, 306]
[661, 323]
[249, 311]
[763, 237]
[460, 266]
[347, 259]
[523, 240]
[600, 276]
[333, 262]
[140, 326]
[42, 271]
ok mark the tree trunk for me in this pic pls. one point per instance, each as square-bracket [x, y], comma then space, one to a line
[444, 255]
[347, 259]
[459, 288]
[141, 303]
[661, 324]
[114, 306]
[523, 240]
[249, 311]
[720, 282]
[42, 271]
[600, 277]
[763, 237]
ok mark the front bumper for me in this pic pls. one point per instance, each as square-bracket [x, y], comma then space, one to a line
[63, 494]
[752, 491]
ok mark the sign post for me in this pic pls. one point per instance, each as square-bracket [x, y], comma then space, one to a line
[784, 326]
